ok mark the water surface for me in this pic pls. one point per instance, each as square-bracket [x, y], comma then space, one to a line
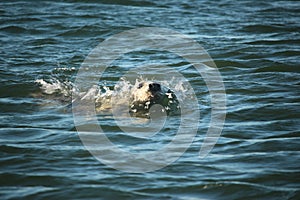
[256, 46]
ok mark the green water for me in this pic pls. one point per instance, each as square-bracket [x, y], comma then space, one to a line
[255, 45]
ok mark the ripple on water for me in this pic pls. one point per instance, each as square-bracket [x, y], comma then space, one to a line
[256, 49]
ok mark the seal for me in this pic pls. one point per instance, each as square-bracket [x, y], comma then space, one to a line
[146, 94]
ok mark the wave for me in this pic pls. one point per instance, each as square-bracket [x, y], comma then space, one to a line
[268, 28]
[14, 29]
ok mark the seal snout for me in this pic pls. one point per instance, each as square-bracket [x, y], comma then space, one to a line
[154, 87]
[146, 94]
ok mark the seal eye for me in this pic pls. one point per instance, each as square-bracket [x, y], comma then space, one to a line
[140, 85]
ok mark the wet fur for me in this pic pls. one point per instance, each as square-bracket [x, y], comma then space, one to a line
[144, 97]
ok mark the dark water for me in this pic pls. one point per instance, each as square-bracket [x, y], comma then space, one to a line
[256, 46]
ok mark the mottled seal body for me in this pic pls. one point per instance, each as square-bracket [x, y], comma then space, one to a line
[146, 94]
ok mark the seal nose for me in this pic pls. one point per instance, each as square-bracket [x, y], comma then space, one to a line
[154, 87]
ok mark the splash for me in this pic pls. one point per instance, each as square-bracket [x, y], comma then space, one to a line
[54, 87]
[102, 95]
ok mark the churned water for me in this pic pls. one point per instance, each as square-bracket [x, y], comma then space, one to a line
[255, 46]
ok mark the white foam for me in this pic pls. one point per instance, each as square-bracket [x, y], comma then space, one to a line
[102, 94]
[55, 86]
